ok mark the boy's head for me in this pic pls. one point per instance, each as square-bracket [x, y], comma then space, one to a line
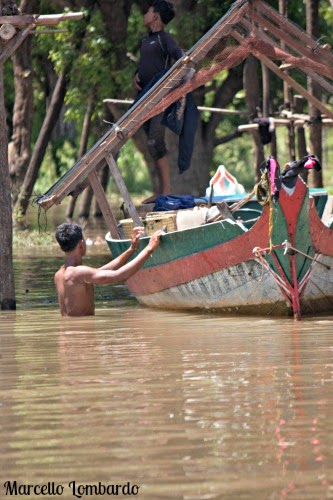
[165, 10]
[68, 235]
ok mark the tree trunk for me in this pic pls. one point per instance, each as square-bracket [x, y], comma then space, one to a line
[315, 178]
[82, 149]
[41, 144]
[7, 290]
[20, 147]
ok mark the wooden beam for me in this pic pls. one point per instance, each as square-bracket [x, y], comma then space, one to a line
[291, 42]
[277, 122]
[328, 87]
[19, 21]
[123, 189]
[318, 104]
[132, 119]
[103, 204]
[41, 20]
[318, 52]
[200, 108]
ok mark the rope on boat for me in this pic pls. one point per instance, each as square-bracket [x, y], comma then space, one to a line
[259, 252]
[261, 190]
[264, 196]
[287, 246]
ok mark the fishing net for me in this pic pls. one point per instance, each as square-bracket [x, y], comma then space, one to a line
[249, 27]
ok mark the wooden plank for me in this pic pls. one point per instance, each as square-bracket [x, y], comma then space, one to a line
[18, 20]
[263, 36]
[318, 51]
[123, 189]
[54, 19]
[103, 204]
[291, 42]
[318, 104]
[42, 20]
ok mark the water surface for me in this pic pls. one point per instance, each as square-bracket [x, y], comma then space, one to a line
[181, 405]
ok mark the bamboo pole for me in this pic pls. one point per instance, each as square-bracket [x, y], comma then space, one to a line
[200, 108]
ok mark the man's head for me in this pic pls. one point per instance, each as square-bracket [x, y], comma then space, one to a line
[69, 235]
[164, 9]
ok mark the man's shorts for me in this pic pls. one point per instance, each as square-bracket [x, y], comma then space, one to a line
[155, 132]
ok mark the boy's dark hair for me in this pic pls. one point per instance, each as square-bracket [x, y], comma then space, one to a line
[165, 10]
[68, 235]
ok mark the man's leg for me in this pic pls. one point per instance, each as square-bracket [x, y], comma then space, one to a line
[163, 171]
[157, 148]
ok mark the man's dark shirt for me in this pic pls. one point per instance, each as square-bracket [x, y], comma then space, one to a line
[156, 51]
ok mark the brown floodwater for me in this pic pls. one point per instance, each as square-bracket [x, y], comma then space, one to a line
[166, 405]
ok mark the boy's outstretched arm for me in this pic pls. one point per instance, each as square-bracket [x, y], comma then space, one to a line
[125, 256]
[106, 276]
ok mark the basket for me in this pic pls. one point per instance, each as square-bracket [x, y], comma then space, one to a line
[141, 210]
[126, 227]
[157, 220]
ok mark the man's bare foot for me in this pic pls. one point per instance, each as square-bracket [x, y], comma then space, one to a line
[151, 199]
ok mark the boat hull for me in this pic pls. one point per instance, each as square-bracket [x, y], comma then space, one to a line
[281, 266]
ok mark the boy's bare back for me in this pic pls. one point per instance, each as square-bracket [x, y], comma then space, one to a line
[76, 298]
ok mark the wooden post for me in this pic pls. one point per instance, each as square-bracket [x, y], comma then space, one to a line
[123, 189]
[300, 134]
[315, 178]
[103, 203]
[301, 140]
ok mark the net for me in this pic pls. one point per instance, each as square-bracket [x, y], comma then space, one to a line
[247, 28]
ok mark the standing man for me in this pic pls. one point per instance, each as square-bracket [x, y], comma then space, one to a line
[74, 281]
[157, 50]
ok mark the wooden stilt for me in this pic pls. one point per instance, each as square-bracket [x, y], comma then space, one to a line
[300, 133]
[103, 204]
[123, 189]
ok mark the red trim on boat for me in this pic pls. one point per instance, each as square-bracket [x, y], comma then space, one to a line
[194, 266]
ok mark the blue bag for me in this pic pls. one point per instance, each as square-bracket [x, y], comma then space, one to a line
[166, 202]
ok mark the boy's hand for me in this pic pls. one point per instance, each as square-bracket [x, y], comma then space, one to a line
[135, 236]
[155, 240]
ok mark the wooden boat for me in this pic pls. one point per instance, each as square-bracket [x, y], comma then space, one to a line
[282, 265]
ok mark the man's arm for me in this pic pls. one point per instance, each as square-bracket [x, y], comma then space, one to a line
[104, 276]
[125, 256]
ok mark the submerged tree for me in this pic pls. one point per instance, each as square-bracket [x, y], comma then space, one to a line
[7, 289]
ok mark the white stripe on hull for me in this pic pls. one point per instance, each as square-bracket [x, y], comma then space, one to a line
[247, 288]
[236, 289]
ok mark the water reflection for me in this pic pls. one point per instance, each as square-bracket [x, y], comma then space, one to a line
[186, 406]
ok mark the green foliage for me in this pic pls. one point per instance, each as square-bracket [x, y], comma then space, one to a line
[133, 168]
[59, 158]
[28, 238]
[85, 54]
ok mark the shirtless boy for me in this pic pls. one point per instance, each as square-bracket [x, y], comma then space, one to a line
[74, 281]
